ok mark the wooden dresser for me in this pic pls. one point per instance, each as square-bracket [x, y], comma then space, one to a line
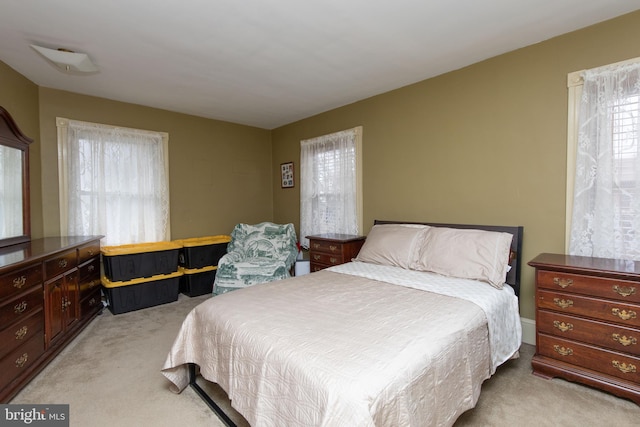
[588, 322]
[326, 250]
[49, 291]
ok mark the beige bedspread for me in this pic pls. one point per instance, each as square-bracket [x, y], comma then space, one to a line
[330, 349]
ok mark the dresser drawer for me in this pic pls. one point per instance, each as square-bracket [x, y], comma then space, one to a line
[622, 290]
[89, 277]
[89, 269]
[88, 285]
[90, 304]
[597, 359]
[596, 308]
[60, 264]
[20, 280]
[20, 359]
[19, 308]
[20, 332]
[595, 332]
[88, 251]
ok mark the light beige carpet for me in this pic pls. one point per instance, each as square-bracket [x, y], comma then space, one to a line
[110, 376]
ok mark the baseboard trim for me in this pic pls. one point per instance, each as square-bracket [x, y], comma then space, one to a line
[528, 331]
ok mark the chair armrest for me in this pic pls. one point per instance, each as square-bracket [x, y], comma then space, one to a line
[231, 257]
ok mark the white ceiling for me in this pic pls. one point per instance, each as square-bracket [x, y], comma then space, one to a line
[267, 63]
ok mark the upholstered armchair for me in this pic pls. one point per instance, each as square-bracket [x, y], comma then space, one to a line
[256, 254]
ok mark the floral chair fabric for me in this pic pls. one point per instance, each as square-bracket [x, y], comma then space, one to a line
[256, 254]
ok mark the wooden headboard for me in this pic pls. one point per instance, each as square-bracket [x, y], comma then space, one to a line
[515, 261]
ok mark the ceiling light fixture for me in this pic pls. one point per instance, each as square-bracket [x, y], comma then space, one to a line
[67, 60]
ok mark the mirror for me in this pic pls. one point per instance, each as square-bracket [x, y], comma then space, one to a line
[15, 225]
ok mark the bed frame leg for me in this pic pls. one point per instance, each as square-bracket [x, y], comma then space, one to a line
[204, 396]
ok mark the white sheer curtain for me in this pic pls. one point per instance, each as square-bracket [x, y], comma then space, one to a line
[606, 206]
[10, 192]
[113, 181]
[329, 184]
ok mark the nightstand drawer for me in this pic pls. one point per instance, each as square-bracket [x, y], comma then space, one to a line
[597, 359]
[326, 250]
[603, 334]
[316, 267]
[627, 291]
[326, 259]
[326, 246]
[596, 308]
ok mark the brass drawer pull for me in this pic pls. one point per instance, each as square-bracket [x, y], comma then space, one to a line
[20, 308]
[316, 257]
[90, 251]
[624, 291]
[623, 314]
[623, 367]
[316, 246]
[562, 303]
[564, 327]
[22, 332]
[19, 282]
[563, 351]
[91, 268]
[92, 302]
[333, 260]
[20, 361]
[62, 263]
[563, 283]
[624, 340]
[333, 248]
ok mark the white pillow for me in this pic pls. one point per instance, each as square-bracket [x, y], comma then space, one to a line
[392, 244]
[466, 253]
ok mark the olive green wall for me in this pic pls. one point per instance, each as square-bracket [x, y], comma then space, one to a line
[482, 145]
[19, 96]
[220, 173]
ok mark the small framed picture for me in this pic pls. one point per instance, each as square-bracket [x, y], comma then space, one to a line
[286, 171]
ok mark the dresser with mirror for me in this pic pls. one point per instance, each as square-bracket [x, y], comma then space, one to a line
[49, 287]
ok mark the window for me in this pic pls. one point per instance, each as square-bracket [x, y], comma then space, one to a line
[114, 182]
[331, 184]
[603, 173]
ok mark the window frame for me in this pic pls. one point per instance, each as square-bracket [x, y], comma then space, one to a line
[62, 125]
[575, 84]
[358, 130]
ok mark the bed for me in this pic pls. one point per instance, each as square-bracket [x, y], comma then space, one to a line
[405, 334]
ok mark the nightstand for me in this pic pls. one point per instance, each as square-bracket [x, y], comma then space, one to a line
[326, 250]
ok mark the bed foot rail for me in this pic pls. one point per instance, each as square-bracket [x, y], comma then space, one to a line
[204, 396]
